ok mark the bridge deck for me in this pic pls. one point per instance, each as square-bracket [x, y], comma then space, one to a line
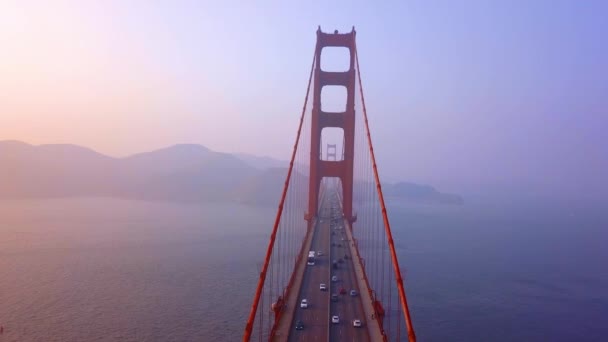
[366, 299]
[330, 235]
[291, 302]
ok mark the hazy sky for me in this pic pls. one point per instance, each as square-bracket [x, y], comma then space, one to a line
[461, 94]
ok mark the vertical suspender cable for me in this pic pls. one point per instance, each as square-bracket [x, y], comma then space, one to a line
[261, 281]
[272, 284]
[387, 227]
[261, 318]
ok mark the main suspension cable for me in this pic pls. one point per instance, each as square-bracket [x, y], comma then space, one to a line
[260, 286]
[387, 227]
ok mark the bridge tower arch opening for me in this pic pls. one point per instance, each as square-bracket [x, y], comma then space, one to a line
[333, 139]
[330, 187]
[343, 119]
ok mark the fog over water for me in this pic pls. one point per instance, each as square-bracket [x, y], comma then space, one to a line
[129, 131]
[105, 269]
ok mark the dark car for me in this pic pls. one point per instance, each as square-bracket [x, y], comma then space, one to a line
[334, 297]
[299, 325]
[342, 291]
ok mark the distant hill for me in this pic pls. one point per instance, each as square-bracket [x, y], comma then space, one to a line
[176, 173]
[52, 171]
[180, 173]
[265, 187]
[262, 163]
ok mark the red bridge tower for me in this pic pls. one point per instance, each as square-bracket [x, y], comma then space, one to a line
[343, 169]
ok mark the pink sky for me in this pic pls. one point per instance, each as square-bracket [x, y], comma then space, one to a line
[459, 95]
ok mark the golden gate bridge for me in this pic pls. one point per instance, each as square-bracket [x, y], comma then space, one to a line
[330, 271]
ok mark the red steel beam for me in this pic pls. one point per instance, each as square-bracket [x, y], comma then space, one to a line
[277, 220]
[387, 226]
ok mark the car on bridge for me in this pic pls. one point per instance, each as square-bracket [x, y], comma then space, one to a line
[334, 297]
[334, 279]
[322, 287]
[335, 319]
[353, 293]
[299, 325]
[304, 303]
[342, 291]
[311, 258]
[356, 323]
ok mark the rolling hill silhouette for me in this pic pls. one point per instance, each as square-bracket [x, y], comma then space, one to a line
[184, 173]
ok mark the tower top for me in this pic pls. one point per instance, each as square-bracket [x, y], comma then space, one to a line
[352, 31]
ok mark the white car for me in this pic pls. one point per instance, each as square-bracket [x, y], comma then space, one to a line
[304, 303]
[319, 253]
[356, 323]
[335, 319]
[323, 287]
[334, 278]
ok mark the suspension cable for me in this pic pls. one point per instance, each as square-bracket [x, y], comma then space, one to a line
[387, 227]
[260, 286]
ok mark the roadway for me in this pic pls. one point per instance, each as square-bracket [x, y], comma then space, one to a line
[347, 308]
[317, 317]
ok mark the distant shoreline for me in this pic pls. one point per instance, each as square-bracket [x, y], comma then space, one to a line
[185, 173]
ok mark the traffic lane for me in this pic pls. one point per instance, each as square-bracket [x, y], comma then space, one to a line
[317, 317]
[353, 305]
[323, 278]
[337, 331]
[347, 308]
[320, 273]
[313, 329]
[314, 318]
